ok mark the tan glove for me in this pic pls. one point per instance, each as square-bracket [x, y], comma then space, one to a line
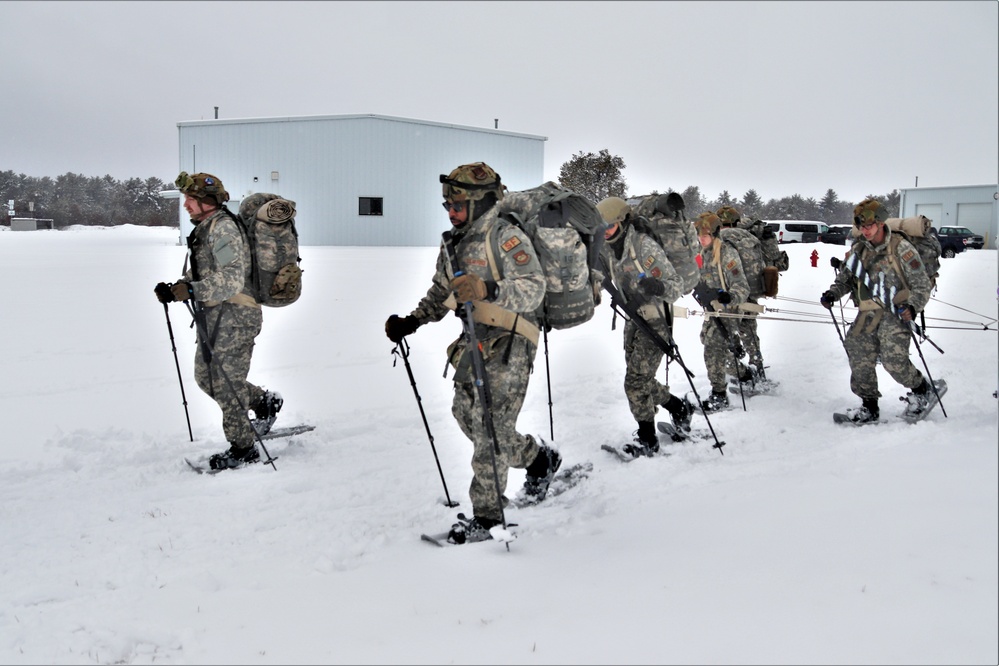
[469, 287]
[182, 291]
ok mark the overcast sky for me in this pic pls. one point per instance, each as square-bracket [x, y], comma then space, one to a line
[780, 97]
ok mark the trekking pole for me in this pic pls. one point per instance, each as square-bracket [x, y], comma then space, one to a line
[481, 380]
[933, 386]
[742, 391]
[836, 324]
[402, 349]
[198, 315]
[183, 396]
[548, 376]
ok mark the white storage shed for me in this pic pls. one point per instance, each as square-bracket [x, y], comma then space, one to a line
[972, 206]
[356, 179]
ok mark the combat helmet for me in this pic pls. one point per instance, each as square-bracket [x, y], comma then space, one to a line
[869, 210]
[476, 184]
[729, 216]
[707, 224]
[202, 186]
[614, 210]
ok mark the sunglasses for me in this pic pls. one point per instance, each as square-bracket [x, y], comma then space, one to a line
[457, 206]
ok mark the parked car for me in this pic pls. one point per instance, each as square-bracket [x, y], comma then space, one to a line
[837, 235]
[794, 231]
[972, 239]
[950, 244]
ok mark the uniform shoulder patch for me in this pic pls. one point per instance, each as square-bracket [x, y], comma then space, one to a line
[730, 265]
[908, 255]
[521, 258]
[510, 244]
[656, 273]
[915, 263]
[649, 261]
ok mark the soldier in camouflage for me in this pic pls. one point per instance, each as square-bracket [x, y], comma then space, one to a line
[501, 276]
[878, 265]
[746, 325]
[723, 287]
[218, 283]
[643, 274]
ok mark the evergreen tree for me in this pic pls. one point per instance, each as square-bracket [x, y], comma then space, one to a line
[752, 205]
[594, 177]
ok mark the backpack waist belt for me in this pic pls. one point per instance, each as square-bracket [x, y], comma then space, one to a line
[490, 314]
[239, 299]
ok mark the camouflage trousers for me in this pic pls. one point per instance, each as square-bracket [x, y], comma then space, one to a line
[866, 341]
[747, 329]
[719, 359]
[642, 359]
[507, 383]
[232, 330]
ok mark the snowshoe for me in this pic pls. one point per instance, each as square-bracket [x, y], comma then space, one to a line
[857, 416]
[470, 530]
[918, 405]
[233, 458]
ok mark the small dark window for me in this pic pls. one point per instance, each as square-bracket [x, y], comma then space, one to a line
[369, 206]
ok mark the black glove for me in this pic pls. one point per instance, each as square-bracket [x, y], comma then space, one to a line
[163, 293]
[703, 295]
[651, 286]
[836, 262]
[396, 327]
[182, 291]
[827, 300]
[724, 297]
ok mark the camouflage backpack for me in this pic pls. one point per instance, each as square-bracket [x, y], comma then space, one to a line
[669, 226]
[268, 221]
[566, 231]
[772, 254]
[916, 230]
[751, 255]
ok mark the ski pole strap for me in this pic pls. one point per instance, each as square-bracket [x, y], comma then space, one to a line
[491, 314]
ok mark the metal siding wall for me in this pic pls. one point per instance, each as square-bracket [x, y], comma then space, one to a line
[326, 164]
[948, 201]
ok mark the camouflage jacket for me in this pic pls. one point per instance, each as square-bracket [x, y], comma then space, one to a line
[219, 260]
[725, 273]
[521, 284]
[642, 256]
[882, 264]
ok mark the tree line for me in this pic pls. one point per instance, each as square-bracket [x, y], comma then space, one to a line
[104, 201]
[90, 201]
[598, 176]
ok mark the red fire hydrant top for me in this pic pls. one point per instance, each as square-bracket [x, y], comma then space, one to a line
[815, 258]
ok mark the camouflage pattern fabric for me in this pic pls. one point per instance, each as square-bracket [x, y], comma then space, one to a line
[679, 240]
[220, 269]
[768, 241]
[877, 333]
[521, 288]
[718, 357]
[750, 254]
[641, 254]
[235, 328]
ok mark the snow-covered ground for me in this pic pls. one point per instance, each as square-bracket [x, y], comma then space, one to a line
[805, 543]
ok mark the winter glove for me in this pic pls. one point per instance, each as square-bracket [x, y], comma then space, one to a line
[724, 297]
[651, 287]
[470, 287]
[396, 327]
[906, 312]
[836, 262]
[163, 293]
[182, 291]
[827, 300]
[703, 294]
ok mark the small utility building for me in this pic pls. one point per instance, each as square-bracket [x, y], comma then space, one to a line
[356, 179]
[971, 206]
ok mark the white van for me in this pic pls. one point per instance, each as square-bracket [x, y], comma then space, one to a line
[797, 231]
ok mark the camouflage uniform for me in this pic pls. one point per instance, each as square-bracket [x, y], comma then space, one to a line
[507, 357]
[631, 256]
[746, 325]
[877, 333]
[219, 276]
[718, 356]
[679, 240]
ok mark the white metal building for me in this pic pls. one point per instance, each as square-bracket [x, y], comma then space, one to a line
[356, 179]
[972, 206]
